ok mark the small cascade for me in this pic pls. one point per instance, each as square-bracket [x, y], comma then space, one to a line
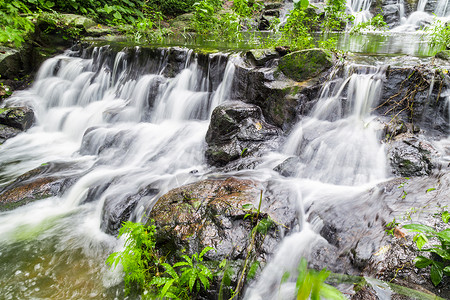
[360, 10]
[124, 121]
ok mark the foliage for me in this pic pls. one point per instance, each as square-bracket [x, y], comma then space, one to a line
[311, 284]
[440, 266]
[14, 26]
[335, 16]
[439, 33]
[142, 265]
[171, 7]
[376, 23]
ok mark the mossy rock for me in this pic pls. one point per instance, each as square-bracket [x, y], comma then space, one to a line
[305, 64]
[444, 54]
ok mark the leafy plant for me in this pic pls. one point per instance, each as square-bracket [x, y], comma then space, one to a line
[442, 251]
[335, 16]
[439, 34]
[14, 23]
[376, 23]
[311, 284]
[142, 265]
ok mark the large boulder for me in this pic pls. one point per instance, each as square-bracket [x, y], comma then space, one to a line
[305, 64]
[21, 118]
[237, 129]
[211, 213]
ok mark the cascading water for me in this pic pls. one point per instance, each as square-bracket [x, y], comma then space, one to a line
[339, 156]
[55, 248]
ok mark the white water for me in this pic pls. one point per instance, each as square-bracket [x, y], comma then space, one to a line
[69, 96]
[55, 248]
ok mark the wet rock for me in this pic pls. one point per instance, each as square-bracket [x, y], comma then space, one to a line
[444, 54]
[410, 156]
[280, 99]
[260, 57]
[305, 64]
[413, 95]
[10, 63]
[175, 62]
[210, 213]
[21, 118]
[357, 244]
[116, 210]
[48, 180]
[289, 167]
[7, 132]
[236, 129]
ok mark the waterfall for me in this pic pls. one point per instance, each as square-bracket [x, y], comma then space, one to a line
[339, 155]
[123, 122]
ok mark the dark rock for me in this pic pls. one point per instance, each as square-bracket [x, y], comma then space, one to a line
[272, 12]
[176, 61]
[305, 64]
[283, 50]
[289, 167]
[413, 95]
[7, 132]
[116, 210]
[21, 118]
[48, 180]
[410, 156]
[236, 129]
[444, 54]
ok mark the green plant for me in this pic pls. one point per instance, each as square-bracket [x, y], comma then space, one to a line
[439, 34]
[142, 265]
[376, 23]
[311, 284]
[440, 266]
[335, 16]
[15, 24]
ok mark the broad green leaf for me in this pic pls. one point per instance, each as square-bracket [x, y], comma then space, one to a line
[439, 251]
[420, 240]
[304, 3]
[181, 263]
[444, 235]
[158, 281]
[117, 15]
[302, 273]
[192, 279]
[447, 270]
[170, 270]
[419, 228]
[445, 216]
[330, 292]
[247, 206]
[188, 259]
[436, 274]
[422, 262]
[207, 272]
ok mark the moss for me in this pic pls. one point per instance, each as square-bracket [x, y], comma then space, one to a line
[305, 64]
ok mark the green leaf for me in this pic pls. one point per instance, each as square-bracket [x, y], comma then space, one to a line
[192, 279]
[430, 189]
[204, 280]
[117, 15]
[253, 269]
[207, 272]
[204, 251]
[330, 292]
[304, 3]
[422, 262]
[444, 235]
[436, 273]
[166, 288]
[188, 259]
[247, 206]
[302, 272]
[447, 270]
[419, 228]
[285, 277]
[170, 270]
[439, 251]
[180, 264]
[445, 216]
[420, 240]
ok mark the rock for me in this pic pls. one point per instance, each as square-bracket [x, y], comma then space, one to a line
[413, 95]
[280, 99]
[444, 54]
[175, 62]
[289, 167]
[115, 210]
[305, 64]
[7, 132]
[272, 12]
[210, 213]
[48, 180]
[357, 244]
[77, 21]
[365, 293]
[21, 118]
[410, 156]
[236, 129]
[283, 50]
[10, 63]
[260, 57]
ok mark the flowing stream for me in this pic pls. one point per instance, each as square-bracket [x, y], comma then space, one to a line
[123, 124]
